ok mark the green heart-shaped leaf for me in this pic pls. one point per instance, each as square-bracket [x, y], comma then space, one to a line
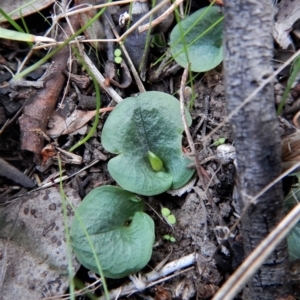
[121, 233]
[149, 122]
[203, 44]
[293, 240]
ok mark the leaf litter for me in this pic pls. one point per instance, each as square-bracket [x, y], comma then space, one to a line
[196, 221]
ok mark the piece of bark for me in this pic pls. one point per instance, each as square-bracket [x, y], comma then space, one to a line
[248, 47]
[38, 110]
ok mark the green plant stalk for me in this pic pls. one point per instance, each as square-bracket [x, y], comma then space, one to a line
[15, 24]
[80, 285]
[191, 102]
[11, 21]
[295, 72]
[177, 14]
[182, 36]
[147, 45]
[59, 47]
[24, 24]
[93, 251]
[67, 232]
[98, 103]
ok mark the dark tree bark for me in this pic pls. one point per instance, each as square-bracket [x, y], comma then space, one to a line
[248, 47]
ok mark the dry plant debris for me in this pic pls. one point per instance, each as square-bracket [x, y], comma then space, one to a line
[58, 110]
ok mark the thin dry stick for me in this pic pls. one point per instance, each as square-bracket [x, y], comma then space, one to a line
[160, 18]
[133, 70]
[100, 79]
[90, 7]
[131, 29]
[141, 20]
[186, 128]
[249, 98]
[153, 277]
[253, 262]
[120, 38]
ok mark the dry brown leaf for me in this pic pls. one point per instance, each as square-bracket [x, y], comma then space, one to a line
[74, 122]
[17, 8]
[96, 30]
[288, 14]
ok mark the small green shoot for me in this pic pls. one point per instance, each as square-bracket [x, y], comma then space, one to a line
[158, 41]
[118, 58]
[219, 142]
[165, 212]
[155, 161]
[291, 80]
[169, 218]
[169, 238]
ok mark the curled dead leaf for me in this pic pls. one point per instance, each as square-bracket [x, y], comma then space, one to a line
[74, 122]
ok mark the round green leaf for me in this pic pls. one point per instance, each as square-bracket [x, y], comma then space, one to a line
[172, 239]
[166, 237]
[149, 122]
[165, 212]
[118, 59]
[171, 219]
[203, 44]
[117, 52]
[121, 233]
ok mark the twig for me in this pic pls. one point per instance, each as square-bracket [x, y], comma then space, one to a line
[148, 279]
[160, 18]
[253, 262]
[100, 79]
[90, 7]
[141, 20]
[132, 68]
[57, 180]
[186, 128]
[206, 103]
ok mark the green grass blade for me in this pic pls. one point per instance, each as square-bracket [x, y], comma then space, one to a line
[11, 21]
[67, 233]
[49, 55]
[98, 102]
[295, 72]
[21, 36]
